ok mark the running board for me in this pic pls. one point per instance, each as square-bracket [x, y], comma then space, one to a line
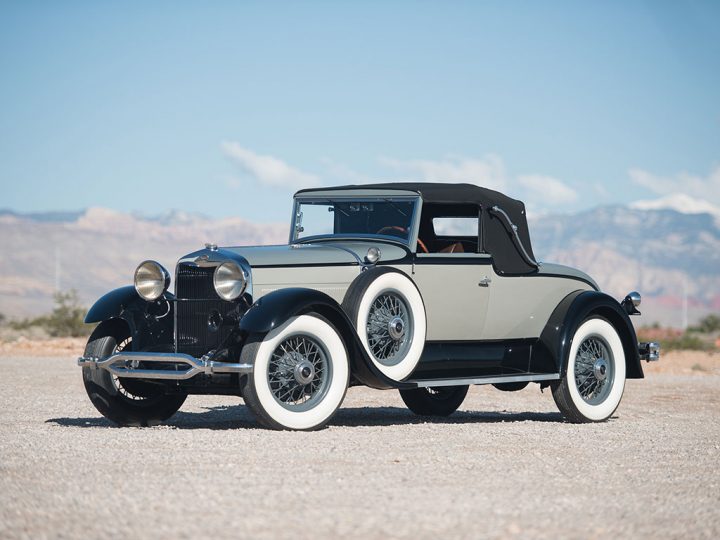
[532, 377]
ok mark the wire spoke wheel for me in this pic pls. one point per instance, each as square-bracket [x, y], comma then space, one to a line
[132, 389]
[594, 370]
[389, 328]
[299, 373]
[117, 383]
[434, 400]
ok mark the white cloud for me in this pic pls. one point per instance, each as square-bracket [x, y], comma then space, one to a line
[680, 202]
[541, 192]
[707, 188]
[339, 173]
[268, 170]
[549, 190]
[487, 172]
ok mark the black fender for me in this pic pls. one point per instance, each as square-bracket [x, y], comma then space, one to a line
[150, 323]
[275, 308]
[551, 352]
[112, 304]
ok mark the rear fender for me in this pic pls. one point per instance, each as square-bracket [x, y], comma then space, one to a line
[552, 351]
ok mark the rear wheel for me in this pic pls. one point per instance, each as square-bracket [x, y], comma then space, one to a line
[434, 401]
[594, 380]
[300, 374]
[511, 386]
[127, 402]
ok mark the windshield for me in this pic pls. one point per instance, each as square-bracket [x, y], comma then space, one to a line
[391, 217]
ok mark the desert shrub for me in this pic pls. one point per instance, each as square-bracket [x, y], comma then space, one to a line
[67, 316]
[686, 341]
[65, 320]
[2, 319]
[708, 324]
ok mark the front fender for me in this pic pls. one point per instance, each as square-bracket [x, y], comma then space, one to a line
[112, 304]
[553, 348]
[150, 323]
[275, 308]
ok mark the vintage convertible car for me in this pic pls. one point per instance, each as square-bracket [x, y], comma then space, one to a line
[424, 288]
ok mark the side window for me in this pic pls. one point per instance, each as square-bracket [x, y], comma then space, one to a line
[455, 226]
[450, 228]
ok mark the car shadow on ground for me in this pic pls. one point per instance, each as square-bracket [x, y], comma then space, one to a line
[239, 417]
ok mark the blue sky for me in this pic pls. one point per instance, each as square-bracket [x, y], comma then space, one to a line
[226, 108]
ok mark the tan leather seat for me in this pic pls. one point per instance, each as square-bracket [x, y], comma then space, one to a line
[457, 247]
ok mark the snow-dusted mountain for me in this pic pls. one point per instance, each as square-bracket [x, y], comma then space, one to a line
[667, 255]
[680, 202]
[667, 249]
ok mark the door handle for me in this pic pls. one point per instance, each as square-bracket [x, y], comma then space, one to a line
[484, 282]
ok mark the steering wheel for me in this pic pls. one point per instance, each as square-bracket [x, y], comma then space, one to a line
[395, 228]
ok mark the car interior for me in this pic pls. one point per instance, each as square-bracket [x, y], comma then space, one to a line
[449, 228]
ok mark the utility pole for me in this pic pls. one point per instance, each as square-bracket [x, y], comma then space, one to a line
[57, 270]
[685, 305]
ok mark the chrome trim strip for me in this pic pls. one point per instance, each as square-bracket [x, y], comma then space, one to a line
[486, 380]
[341, 248]
[514, 229]
[195, 366]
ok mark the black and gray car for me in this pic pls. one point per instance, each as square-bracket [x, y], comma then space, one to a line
[419, 287]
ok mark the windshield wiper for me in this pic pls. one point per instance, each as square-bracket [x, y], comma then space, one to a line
[396, 207]
[336, 207]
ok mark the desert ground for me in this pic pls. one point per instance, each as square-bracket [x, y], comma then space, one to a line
[505, 466]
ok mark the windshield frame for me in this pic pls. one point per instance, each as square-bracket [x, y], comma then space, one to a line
[410, 242]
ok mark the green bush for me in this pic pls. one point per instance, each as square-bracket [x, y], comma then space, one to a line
[707, 325]
[67, 317]
[65, 320]
[687, 341]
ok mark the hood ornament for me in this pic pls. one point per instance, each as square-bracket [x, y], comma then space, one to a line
[211, 246]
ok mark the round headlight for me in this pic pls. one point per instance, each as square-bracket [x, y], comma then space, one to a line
[151, 280]
[229, 280]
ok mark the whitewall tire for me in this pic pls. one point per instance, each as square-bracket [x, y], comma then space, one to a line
[594, 381]
[300, 374]
[389, 317]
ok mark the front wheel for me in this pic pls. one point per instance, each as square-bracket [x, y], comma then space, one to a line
[124, 401]
[594, 380]
[435, 401]
[300, 374]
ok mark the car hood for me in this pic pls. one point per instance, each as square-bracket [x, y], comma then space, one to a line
[318, 254]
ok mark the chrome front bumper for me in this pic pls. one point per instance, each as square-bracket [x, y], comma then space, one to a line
[176, 366]
[649, 351]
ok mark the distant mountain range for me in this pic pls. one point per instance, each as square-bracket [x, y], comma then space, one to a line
[671, 257]
[669, 251]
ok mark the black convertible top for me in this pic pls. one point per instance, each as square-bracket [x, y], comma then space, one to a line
[504, 222]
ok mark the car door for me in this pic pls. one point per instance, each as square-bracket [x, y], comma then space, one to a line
[455, 291]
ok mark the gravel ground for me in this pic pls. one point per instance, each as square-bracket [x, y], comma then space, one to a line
[505, 466]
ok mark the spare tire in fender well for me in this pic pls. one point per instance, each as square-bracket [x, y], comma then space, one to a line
[273, 309]
[550, 354]
[357, 295]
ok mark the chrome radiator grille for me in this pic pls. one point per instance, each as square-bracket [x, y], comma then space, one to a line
[197, 305]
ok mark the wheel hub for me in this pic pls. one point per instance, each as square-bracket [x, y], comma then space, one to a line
[600, 369]
[396, 328]
[304, 372]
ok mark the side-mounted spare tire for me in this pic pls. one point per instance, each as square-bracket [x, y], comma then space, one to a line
[389, 316]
